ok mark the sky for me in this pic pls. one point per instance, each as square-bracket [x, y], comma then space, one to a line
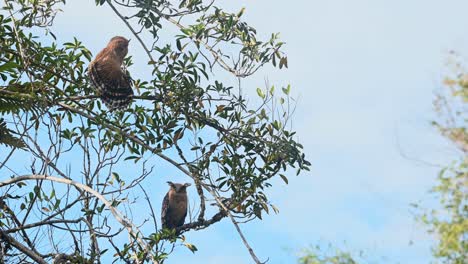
[364, 73]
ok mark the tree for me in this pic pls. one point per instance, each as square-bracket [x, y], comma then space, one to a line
[229, 148]
[318, 255]
[450, 221]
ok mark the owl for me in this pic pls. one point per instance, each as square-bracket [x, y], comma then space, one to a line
[111, 81]
[174, 206]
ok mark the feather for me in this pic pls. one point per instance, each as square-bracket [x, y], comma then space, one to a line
[111, 82]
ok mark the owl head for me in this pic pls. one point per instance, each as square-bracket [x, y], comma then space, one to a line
[179, 187]
[119, 45]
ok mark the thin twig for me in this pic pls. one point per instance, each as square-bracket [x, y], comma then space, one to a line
[131, 29]
[41, 223]
[131, 228]
[12, 241]
[171, 161]
[217, 57]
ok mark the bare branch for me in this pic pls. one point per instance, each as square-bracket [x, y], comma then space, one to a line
[10, 240]
[131, 228]
[131, 29]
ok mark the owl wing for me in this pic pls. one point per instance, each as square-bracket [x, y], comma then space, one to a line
[165, 212]
[112, 84]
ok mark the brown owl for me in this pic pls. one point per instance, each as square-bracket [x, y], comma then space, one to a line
[112, 83]
[174, 206]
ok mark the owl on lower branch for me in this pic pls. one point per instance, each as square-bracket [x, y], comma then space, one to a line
[174, 206]
[111, 82]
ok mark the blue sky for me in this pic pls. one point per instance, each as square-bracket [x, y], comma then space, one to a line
[365, 73]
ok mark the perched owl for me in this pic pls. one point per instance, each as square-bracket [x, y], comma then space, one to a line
[112, 83]
[174, 206]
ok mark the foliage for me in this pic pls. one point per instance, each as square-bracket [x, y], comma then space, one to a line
[318, 255]
[204, 128]
[7, 138]
[450, 223]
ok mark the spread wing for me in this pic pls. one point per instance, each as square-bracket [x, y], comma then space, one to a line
[112, 84]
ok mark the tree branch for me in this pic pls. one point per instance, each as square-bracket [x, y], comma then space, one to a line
[177, 165]
[131, 29]
[10, 240]
[131, 228]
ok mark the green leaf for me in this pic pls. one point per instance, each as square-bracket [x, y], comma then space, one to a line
[9, 66]
[260, 93]
[285, 179]
[283, 62]
[7, 138]
[192, 247]
[287, 90]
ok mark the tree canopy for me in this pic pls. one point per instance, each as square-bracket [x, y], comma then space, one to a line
[449, 221]
[73, 196]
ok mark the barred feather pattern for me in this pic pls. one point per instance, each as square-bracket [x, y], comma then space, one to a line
[116, 93]
[110, 81]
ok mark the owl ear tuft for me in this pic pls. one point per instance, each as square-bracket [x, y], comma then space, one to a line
[170, 183]
[187, 184]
